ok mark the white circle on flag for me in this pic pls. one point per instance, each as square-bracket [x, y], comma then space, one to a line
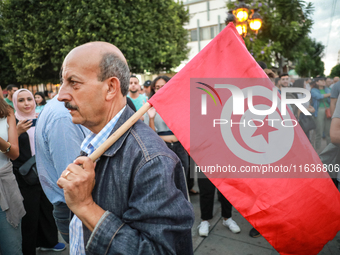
[251, 146]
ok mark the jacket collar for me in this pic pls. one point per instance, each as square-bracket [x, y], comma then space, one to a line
[127, 113]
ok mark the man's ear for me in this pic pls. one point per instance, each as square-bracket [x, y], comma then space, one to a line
[113, 88]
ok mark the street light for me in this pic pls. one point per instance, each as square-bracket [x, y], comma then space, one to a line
[240, 17]
[241, 11]
[255, 21]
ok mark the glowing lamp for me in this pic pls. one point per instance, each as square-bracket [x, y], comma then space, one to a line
[255, 24]
[241, 15]
[255, 21]
[241, 11]
[242, 29]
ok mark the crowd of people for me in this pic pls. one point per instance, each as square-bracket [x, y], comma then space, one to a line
[324, 94]
[33, 225]
[135, 198]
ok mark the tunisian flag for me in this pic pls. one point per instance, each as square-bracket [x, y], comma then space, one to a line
[295, 215]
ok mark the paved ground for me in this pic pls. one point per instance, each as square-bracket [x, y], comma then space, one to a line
[222, 241]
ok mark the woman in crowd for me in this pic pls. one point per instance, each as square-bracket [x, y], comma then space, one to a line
[40, 101]
[321, 101]
[11, 202]
[157, 124]
[38, 226]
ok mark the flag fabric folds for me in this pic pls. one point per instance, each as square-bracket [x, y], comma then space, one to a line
[295, 215]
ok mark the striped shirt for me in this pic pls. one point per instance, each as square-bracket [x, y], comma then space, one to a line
[89, 145]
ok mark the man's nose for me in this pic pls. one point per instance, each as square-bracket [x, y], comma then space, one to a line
[64, 95]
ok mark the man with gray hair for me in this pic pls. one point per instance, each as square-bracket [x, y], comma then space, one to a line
[133, 200]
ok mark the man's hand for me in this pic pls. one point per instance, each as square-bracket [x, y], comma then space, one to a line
[78, 184]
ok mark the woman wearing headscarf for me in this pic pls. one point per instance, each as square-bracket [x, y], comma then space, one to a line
[11, 202]
[38, 225]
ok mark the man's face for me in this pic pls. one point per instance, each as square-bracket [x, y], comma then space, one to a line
[284, 81]
[134, 85]
[147, 90]
[329, 82]
[81, 91]
[11, 92]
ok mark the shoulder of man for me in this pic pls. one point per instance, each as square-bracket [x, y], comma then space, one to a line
[53, 111]
[8, 101]
[335, 91]
[336, 113]
[149, 142]
[140, 140]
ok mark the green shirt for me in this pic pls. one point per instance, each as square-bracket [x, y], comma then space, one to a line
[9, 102]
[139, 101]
[322, 91]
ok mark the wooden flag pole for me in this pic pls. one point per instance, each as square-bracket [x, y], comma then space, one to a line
[119, 132]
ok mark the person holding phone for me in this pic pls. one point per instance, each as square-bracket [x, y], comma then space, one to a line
[38, 225]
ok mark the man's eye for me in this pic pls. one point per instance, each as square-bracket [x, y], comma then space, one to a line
[74, 83]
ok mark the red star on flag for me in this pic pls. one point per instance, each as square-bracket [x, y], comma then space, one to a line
[264, 130]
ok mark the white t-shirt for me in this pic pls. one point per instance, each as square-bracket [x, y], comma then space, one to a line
[4, 135]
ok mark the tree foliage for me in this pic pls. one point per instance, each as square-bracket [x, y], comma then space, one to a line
[39, 34]
[285, 24]
[335, 71]
[7, 73]
[309, 63]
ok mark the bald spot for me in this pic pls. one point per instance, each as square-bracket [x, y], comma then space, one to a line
[90, 54]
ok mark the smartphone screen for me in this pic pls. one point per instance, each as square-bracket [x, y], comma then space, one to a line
[34, 121]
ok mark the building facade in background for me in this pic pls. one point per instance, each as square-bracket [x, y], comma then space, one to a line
[207, 19]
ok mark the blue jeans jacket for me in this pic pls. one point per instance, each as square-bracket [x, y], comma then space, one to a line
[141, 185]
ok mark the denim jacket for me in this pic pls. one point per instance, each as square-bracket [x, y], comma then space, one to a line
[317, 97]
[140, 184]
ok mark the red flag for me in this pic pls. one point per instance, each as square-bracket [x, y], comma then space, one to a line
[296, 215]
